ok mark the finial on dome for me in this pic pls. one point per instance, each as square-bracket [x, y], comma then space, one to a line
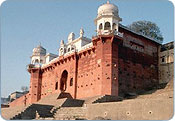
[108, 2]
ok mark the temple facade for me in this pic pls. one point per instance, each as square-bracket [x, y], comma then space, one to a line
[114, 62]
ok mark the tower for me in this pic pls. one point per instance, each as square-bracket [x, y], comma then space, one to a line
[107, 20]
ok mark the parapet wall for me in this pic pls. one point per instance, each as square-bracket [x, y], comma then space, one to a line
[21, 101]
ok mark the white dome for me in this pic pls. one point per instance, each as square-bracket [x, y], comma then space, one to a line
[39, 50]
[107, 9]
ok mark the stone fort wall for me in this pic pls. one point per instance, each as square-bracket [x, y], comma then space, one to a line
[112, 66]
[138, 63]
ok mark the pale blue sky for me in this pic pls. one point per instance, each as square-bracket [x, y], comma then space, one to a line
[26, 22]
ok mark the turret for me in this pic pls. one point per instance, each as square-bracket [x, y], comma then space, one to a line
[38, 55]
[107, 20]
[62, 48]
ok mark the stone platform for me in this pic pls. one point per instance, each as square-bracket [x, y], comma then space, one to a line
[153, 105]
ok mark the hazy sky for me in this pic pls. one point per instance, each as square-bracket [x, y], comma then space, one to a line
[25, 23]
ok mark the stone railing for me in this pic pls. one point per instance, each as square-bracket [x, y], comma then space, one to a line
[86, 46]
[23, 100]
[70, 52]
[108, 32]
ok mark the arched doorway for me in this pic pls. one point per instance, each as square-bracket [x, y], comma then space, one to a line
[63, 81]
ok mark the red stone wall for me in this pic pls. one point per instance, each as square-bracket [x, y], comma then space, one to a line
[112, 66]
[52, 74]
[88, 77]
[138, 63]
[35, 84]
[106, 58]
[115, 65]
[109, 67]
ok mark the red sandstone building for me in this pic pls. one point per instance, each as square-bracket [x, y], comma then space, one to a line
[114, 62]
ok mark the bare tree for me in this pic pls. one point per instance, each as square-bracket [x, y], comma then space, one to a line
[24, 88]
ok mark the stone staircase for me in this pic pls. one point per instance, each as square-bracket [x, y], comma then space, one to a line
[49, 104]
[72, 103]
[52, 108]
[108, 98]
[52, 100]
[70, 113]
[7, 113]
[45, 108]
[102, 99]
[89, 100]
[44, 111]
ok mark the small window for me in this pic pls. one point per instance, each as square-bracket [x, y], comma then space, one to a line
[114, 26]
[36, 61]
[71, 82]
[163, 59]
[107, 26]
[56, 86]
[68, 49]
[100, 26]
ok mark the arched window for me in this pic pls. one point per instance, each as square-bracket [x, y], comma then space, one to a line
[100, 26]
[33, 61]
[114, 26]
[36, 61]
[41, 61]
[107, 26]
[71, 82]
[68, 49]
[56, 85]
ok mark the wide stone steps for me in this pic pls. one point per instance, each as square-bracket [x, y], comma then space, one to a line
[52, 100]
[102, 99]
[44, 111]
[70, 113]
[108, 98]
[89, 100]
[72, 103]
[10, 112]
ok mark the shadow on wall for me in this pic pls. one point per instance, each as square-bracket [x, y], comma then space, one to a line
[64, 95]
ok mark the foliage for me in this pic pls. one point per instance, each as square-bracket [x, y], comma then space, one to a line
[147, 28]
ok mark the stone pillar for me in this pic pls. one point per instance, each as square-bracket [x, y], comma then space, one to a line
[104, 63]
[35, 84]
[107, 63]
[159, 71]
[114, 66]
